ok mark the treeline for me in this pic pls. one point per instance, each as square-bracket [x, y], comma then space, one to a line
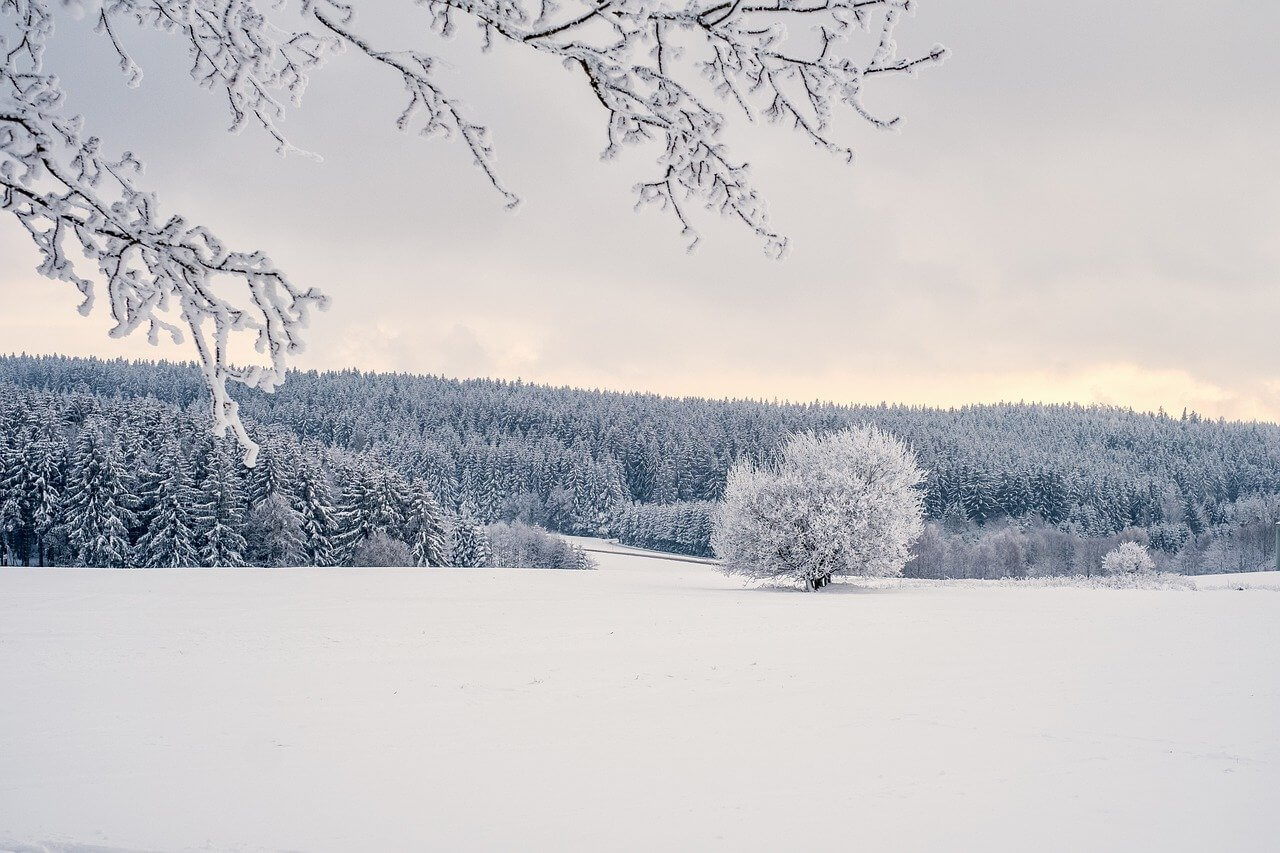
[1238, 537]
[679, 528]
[573, 460]
[645, 468]
[87, 480]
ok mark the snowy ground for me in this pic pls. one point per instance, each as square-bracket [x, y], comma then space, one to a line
[1248, 580]
[649, 705]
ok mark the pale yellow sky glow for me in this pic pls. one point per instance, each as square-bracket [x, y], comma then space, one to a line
[46, 322]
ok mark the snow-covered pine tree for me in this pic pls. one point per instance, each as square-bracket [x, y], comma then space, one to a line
[97, 513]
[31, 488]
[319, 516]
[581, 559]
[47, 489]
[428, 537]
[978, 495]
[470, 546]
[375, 499]
[278, 460]
[488, 496]
[10, 527]
[273, 532]
[220, 514]
[17, 497]
[169, 540]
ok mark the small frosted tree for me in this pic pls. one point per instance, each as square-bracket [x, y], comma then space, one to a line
[1128, 558]
[843, 504]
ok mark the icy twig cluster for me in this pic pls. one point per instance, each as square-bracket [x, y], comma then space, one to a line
[70, 195]
[657, 69]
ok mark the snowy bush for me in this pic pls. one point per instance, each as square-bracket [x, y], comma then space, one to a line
[844, 504]
[1127, 559]
[381, 549]
[523, 546]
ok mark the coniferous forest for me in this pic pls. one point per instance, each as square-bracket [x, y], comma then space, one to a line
[111, 463]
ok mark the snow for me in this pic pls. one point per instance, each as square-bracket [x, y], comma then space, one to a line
[652, 704]
[1233, 580]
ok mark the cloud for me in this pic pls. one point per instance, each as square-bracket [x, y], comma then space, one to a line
[1074, 209]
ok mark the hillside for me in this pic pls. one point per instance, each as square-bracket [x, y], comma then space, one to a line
[642, 466]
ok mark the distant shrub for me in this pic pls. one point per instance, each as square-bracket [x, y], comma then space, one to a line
[523, 546]
[1127, 559]
[380, 549]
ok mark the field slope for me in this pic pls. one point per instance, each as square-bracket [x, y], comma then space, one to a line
[650, 705]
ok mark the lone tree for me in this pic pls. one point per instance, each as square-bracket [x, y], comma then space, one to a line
[843, 504]
[659, 69]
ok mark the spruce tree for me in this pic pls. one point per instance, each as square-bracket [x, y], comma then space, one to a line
[375, 500]
[273, 532]
[220, 515]
[426, 526]
[278, 459]
[16, 497]
[169, 540]
[318, 515]
[470, 545]
[97, 515]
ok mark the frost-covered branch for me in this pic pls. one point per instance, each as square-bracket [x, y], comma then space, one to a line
[73, 197]
[658, 71]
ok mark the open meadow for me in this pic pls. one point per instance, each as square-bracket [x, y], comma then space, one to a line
[652, 704]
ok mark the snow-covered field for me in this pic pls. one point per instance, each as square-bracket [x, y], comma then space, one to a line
[650, 705]
[1235, 580]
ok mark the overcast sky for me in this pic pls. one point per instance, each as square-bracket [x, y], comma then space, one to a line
[1082, 204]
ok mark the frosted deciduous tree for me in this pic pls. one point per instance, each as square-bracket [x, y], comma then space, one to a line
[844, 504]
[1128, 558]
[659, 72]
